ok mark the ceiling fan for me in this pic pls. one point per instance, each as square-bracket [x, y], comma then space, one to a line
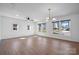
[28, 19]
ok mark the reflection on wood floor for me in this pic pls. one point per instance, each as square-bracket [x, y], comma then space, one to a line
[37, 45]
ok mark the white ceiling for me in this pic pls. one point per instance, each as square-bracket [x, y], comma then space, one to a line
[37, 10]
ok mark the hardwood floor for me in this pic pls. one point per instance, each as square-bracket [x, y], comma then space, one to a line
[37, 45]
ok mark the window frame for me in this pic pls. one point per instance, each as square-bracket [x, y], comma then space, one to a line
[62, 21]
[28, 27]
[54, 29]
[39, 27]
[44, 27]
[15, 27]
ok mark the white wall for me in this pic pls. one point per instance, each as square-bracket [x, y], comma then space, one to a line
[0, 28]
[7, 29]
[74, 29]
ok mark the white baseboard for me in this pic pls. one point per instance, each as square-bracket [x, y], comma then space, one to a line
[17, 37]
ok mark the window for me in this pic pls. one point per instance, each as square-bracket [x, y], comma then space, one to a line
[28, 27]
[65, 25]
[14, 26]
[44, 27]
[39, 27]
[55, 27]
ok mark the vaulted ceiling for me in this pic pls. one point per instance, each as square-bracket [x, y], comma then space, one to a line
[37, 10]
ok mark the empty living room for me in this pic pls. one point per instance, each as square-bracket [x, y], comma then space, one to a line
[39, 28]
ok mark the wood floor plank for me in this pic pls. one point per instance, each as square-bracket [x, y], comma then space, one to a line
[37, 45]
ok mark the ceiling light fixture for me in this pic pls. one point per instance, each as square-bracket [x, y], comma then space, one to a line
[49, 13]
[50, 17]
[28, 19]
